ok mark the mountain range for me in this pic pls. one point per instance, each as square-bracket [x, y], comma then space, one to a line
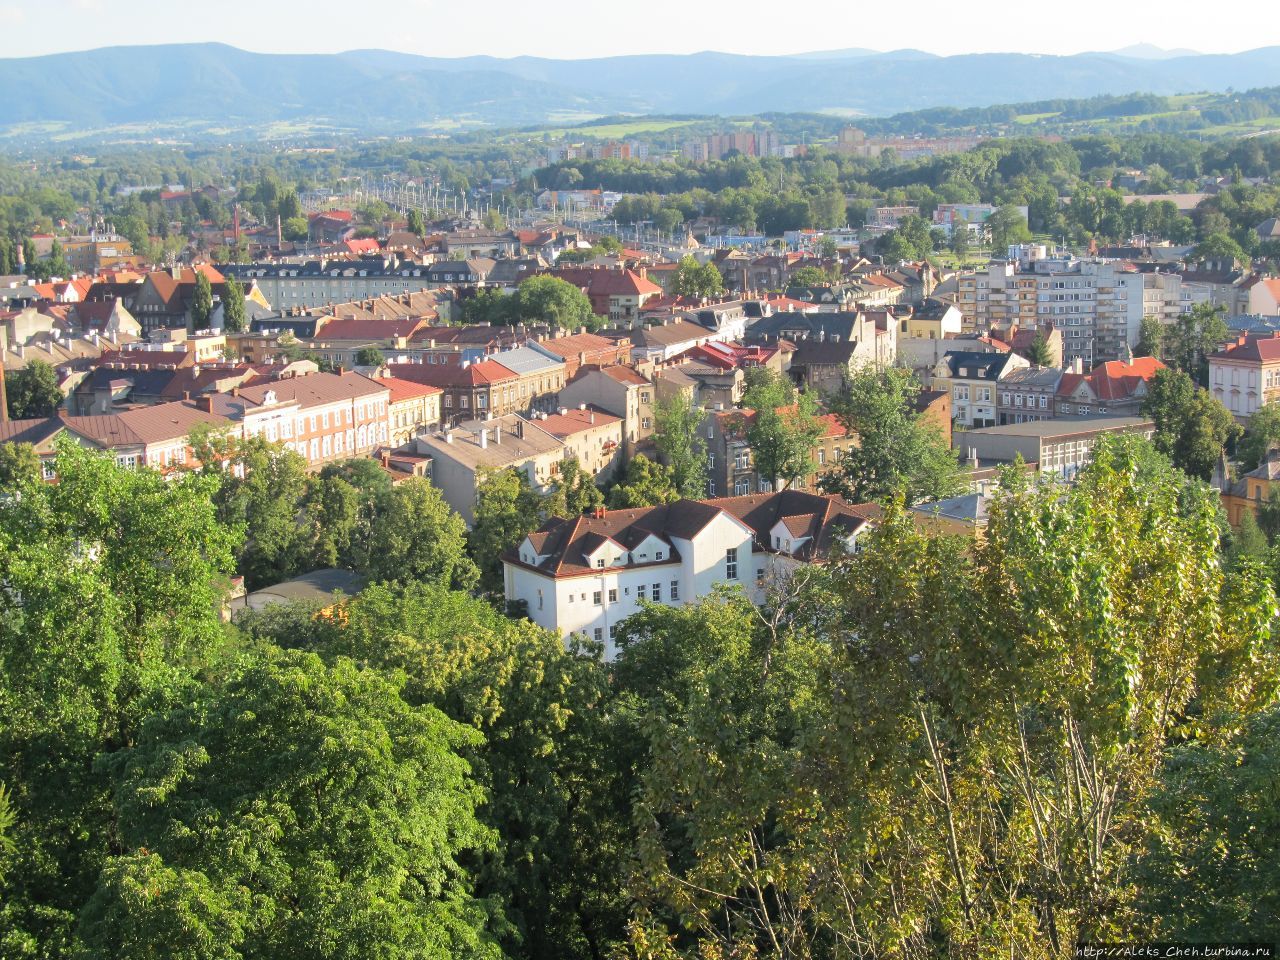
[383, 91]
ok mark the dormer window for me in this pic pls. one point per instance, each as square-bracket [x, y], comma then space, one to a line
[600, 561]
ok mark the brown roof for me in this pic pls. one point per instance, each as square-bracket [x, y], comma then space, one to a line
[453, 374]
[314, 389]
[1258, 349]
[365, 330]
[574, 344]
[406, 389]
[565, 542]
[144, 425]
[563, 425]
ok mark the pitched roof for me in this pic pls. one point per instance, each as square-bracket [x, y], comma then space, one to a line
[144, 425]
[453, 374]
[1113, 380]
[1258, 349]
[564, 425]
[566, 542]
[368, 329]
[576, 343]
[402, 390]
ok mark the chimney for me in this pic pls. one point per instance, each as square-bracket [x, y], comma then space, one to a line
[386, 459]
[448, 436]
[973, 457]
[205, 403]
[582, 406]
[484, 438]
[497, 434]
[520, 429]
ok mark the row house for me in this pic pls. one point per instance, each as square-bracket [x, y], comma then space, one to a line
[482, 389]
[316, 283]
[1028, 394]
[590, 435]
[411, 409]
[585, 575]
[972, 378]
[463, 456]
[156, 436]
[620, 390]
[1245, 374]
[1114, 388]
[320, 416]
[580, 349]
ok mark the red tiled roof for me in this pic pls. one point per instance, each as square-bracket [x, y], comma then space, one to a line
[453, 374]
[1113, 380]
[1256, 349]
[361, 329]
[406, 389]
[577, 343]
[562, 425]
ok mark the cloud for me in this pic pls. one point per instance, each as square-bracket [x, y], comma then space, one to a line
[11, 14]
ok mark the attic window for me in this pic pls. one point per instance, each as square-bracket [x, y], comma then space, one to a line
[600, 562]
[658, 555]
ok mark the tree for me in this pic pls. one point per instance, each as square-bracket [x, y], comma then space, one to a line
[19, 465]
[946, 745]
[1007, 227]
[683, 450]
[1038, 352]
[508, 509]
[295, 228]
[1209, 870]
[548, 757]
[898, 451]
[1261, 434]
[556, 302]
[33, 391]
[416, 225]
[416, 536]
[1217, 246]
[1192, 337]
[645, 484]
[201, 302]
[1192, 428]
[266, 501]
[370, 357]
[693, 279]
[1249, 541]
[489, 305]
[783, 427]
[295, 805]
[808, 277]
[574, 493]
[233, 312]
[114, 578]
[1150, 338]
[331, 516]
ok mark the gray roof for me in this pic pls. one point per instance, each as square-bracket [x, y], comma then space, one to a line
[1043, 377]
[520, 440]
[523, 360]
[971, 507]
[1062, 426]
[318, 586]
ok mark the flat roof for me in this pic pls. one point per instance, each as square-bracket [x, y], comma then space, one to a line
[1062, 426]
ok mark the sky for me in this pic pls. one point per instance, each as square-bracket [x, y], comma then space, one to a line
[597, 28]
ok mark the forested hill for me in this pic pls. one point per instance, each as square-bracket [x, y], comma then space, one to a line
[380, 90]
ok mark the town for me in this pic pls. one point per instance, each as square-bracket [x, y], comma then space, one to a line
[797, 536]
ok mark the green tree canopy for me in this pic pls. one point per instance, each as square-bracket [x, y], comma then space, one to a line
[645, 484]
[508, 509]
[370, 357]
[33, 391]
[233, 312]
[694, 279]
[416, 536]
[556, 302]
[683, 450]
[898, 451]
[201, 302]
[1261, 434]
[1192, 428]
[296, 810]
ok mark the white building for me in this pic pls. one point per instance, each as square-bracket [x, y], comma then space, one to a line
[587, 574]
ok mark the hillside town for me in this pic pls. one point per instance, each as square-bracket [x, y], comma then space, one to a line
[491, 518]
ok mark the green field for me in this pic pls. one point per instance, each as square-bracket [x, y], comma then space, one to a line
[610, 131]
[1035, 117]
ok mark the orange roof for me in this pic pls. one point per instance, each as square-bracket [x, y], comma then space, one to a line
[561, 425]
[407, 389]
[1113, 380]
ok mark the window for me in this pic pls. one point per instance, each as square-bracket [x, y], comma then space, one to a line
[822, 457]
[640, 592]
[599, 634]
[731, 563]
[658, 555]
[613, 595]
[657, 591]
[613, 631]
[760, 577]
[600, 561]
[596, 598]
[646, 423]
[674, 593]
